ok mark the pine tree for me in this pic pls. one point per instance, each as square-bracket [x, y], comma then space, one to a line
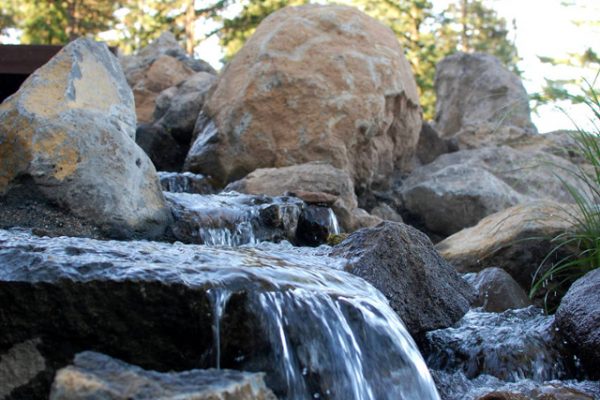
[58, 22]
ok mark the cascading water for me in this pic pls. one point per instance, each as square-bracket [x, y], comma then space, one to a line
[317, 331]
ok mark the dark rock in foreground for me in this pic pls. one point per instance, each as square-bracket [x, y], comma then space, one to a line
[97, 376]
[497, 291]
[401, 262]
[578, 318]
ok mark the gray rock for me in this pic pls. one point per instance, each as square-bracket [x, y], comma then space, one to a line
[178, 107]
[459, 189]
[97, 376]
[401, 262]
[19, 366]
[497, 291]
[386, 213]
[578, 320]
[71, 128]
[431, 145]
[476, 88]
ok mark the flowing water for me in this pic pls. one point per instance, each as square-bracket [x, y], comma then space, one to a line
[326, 333]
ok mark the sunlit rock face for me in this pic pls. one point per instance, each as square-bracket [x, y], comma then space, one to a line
[314, 83]
[71, 128]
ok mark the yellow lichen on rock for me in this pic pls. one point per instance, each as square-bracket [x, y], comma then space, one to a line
[46, 97]
[64, 154]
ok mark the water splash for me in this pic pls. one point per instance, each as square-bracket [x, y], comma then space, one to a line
[513, 345]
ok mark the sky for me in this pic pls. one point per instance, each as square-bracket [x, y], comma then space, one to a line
[544, 28]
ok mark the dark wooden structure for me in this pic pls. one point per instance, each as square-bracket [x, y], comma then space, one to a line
[17, 62]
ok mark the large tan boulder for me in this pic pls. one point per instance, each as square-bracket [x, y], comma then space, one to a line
[314, 83]
[318, 181]
[516, 240]
[69, 131]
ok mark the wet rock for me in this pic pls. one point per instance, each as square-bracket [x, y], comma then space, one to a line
[578, 318]
[185, 182]
[315, 225]
[101, 176]
[160, 65]
[313, 83]
[94, 375]
[517, 240]
[457, 190]
[174, 307]
[425, 291]
[178, 107]
[498, 291]
[511, 346]
[232, 219]
[312, 177]
[474, 89]
[164, 151]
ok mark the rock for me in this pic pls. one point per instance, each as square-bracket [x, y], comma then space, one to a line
[459, 189]
[19, 366]
[314, 83]
[476, 88]
[512, 345]
[431, 145]
[134, 66]
[165, 152]
[401, 262]
[578, 320]
[165, 71]
[386, 213]
[185, 182]
[178, 107]
[516, 239]
[94, 376]
[69, 130]
[309, 177]
[315, 225]
[498, 291]
[158, 66]
[175, 307]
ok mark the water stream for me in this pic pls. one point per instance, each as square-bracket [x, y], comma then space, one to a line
[317, 331]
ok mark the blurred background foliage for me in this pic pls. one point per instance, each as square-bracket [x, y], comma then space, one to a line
[427, 35]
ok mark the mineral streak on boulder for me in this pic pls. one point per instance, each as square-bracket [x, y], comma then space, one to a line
[71, 128]
[314, 83]
[94, 375]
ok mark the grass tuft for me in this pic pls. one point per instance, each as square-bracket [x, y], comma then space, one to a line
[582, 243]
